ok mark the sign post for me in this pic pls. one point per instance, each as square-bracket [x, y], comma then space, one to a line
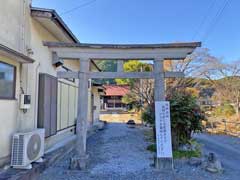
[163, 130]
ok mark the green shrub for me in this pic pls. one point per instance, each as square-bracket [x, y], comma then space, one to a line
[152, 148]
[148, 115]
[186, 117]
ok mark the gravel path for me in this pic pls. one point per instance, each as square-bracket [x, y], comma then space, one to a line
[119, 153]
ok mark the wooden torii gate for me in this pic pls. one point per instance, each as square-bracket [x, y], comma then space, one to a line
[86, 52]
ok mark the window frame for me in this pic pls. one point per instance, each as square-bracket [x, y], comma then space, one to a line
[14, 82]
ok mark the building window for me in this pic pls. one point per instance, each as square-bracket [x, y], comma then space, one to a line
[7, 81]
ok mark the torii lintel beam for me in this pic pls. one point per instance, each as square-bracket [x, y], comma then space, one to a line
[130, 75]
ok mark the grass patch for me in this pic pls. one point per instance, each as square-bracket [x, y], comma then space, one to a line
[186, 154]
[178, 154]
[152, 148]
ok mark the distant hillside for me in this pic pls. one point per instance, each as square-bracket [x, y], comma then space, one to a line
[106, 66]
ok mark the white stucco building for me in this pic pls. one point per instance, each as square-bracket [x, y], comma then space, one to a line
[28, 67]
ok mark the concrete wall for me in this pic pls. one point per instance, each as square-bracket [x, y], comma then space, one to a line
[9, 113]
[14, 24]
[14, 33]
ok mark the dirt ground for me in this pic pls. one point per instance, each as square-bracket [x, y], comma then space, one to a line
[120, 116]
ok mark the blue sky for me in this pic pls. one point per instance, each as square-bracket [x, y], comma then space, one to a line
[154, 21]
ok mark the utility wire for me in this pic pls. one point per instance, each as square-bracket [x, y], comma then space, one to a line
[205, 17]
[215, 20]
[78, 7]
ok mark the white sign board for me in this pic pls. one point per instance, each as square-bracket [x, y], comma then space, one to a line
[163, 129]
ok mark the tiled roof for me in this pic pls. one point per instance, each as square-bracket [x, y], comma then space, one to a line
[116, 90]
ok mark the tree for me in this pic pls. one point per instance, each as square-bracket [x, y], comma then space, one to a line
[222, 77]
[133, 66]
[141, 90]
[226, 80]
[194, 68]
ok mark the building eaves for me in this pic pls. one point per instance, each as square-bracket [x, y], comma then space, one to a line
[15, 54]
[54, 16]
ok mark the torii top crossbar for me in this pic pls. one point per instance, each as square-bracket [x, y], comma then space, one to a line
[86, 52]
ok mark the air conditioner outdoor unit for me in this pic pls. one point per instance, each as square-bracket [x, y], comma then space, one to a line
[27, 148]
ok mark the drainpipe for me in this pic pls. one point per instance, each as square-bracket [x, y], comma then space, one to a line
[19, 114]
[36, 96]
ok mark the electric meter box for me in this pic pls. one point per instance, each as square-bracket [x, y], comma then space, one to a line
[25, 101]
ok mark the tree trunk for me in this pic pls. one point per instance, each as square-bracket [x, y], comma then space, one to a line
[238, 103]
[237, 108]
[175, 139]
[154, 133]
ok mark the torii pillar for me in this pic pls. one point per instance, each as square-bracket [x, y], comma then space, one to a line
[165, 163]
[80, 162]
